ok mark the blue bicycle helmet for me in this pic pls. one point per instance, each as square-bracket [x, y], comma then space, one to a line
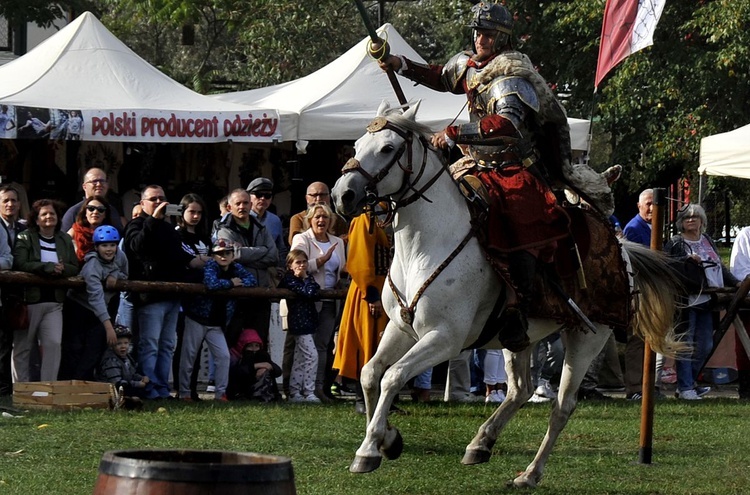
[106, 233]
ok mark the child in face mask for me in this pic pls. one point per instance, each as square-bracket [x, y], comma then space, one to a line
[252, 374]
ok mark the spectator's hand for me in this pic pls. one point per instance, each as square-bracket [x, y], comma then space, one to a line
[159, 212]
[237, 282]
[327, 256]
[110, 331]
[145, 380]
[110, 282]
[59, 268]
[197, 262]
[376, 309]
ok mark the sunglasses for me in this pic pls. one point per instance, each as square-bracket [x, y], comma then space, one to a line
[263, 195]
[225, 253]
[93, 208]
[154, 199]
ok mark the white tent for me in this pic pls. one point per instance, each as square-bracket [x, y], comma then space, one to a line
[120, 96]
[340, 99]
[726, 154]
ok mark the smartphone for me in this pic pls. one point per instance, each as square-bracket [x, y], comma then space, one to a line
[174, 210]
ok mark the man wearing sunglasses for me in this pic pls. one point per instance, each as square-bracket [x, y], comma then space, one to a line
[95, 183]
[155, 254]
[261, 196]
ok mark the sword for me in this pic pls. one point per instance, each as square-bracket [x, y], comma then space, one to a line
[572, 304]
[374, 38]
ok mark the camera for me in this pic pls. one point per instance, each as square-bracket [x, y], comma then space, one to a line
[174, 210]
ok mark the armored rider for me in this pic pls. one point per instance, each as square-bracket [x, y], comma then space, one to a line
[518, 139]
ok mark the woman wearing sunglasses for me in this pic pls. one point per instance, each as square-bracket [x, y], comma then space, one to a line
[94, 213]
[692, 244]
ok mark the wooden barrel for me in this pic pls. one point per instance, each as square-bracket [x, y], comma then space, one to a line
[188, 472]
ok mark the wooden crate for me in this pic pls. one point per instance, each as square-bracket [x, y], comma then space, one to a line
[61, 395]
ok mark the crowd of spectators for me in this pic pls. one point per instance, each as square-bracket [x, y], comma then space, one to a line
[49, 333]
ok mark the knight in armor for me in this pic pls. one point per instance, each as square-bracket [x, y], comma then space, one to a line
[519, 142]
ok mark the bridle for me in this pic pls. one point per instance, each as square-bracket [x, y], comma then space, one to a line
[409, 181]
[408, 185]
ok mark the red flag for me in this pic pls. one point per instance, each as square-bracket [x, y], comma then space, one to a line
[628, 27]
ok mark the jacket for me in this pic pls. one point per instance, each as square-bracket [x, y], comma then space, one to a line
[95, 272]
[202, 308]
[27, 256]
[256, 254]
[154, 251]
[303, 316]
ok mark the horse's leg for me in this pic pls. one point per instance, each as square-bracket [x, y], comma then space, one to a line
[580, 349]
[381, 438]
[520, 389]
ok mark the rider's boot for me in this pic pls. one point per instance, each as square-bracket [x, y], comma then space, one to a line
[514, 320]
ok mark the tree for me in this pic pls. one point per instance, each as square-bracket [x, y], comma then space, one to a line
[41, 12]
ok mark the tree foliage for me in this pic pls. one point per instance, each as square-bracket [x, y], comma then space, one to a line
[41, 12]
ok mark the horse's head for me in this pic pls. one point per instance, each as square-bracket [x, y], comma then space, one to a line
[383, 162]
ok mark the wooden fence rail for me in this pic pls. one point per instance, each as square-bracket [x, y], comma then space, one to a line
[11, 278]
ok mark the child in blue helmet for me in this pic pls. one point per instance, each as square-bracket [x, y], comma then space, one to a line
[87, 323]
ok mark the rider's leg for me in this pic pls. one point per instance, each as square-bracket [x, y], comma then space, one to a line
[514, 320]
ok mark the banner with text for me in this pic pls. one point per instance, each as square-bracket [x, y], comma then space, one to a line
[143, 125]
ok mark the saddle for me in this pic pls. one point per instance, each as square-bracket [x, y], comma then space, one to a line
[605, 295]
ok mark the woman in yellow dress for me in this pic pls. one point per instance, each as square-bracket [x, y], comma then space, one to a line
[363, 319]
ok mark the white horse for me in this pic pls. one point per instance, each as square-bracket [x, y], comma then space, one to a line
[432, 321]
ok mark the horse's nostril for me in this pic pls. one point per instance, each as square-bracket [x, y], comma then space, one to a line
[347, 197]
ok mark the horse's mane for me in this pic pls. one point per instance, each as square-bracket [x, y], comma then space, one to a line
[395, 117]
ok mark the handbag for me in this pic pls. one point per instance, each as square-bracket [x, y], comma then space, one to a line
[17, 314]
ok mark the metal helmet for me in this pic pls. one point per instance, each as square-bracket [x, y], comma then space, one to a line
[493, 17]
[106, 233]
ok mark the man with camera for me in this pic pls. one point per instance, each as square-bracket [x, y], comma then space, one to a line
[155, 253]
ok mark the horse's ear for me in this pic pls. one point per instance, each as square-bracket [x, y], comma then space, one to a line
[411, 113]
[383, 108]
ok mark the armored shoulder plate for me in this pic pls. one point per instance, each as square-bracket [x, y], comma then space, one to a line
[512, 85]
[454, 70]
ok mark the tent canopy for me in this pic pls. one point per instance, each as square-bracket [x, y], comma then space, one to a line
[726, 154]
[86, 68]
[340, 99]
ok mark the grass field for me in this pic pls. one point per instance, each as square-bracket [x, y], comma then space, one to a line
[699, 448]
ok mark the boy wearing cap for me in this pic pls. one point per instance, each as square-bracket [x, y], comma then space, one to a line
[207, 318]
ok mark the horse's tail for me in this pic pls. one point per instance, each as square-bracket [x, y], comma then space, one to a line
[657, 295]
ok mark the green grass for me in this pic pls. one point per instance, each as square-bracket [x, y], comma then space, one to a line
[698, 448]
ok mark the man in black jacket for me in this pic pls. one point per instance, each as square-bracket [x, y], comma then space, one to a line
[155, 253]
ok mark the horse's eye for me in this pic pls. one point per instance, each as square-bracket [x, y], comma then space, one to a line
[388, 148]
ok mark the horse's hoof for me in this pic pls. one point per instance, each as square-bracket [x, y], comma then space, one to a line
[395, 446]
[364, 464]
[525, 481]
[472, 457]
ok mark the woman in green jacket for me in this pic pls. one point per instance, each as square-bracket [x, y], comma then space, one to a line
[46, 251]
